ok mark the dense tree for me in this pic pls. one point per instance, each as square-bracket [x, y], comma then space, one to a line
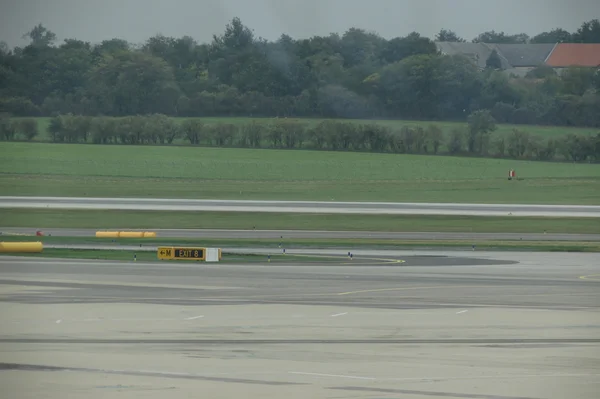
[359, 47]
[445, 35]
[398, 48]
[7, 129]
[578, 80]
[357, 74]
[589, 32]
[541, 72]
[481, 124]
[28, 128]
[501, 38]
[554, 36]
[130, 83]
[494, 61]
[331, 135]
[40, 36]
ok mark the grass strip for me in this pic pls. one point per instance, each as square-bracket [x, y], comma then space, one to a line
[142, 256]
[346, 244]
[48, 219]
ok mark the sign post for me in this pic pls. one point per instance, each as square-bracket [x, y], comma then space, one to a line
[165, 253]
[189, 253]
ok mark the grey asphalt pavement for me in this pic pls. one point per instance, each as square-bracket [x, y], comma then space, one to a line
[385, 208]
[305, 234]
[456, 325]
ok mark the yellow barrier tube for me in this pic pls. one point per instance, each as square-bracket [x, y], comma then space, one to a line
[107, 234]
[21, 247]
[149, 234]
[131, 234]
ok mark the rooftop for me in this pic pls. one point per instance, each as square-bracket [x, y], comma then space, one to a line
[575, 54]
[525, 55]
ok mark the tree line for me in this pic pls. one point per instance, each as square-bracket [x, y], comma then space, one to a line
[355, 75]
[477, 139]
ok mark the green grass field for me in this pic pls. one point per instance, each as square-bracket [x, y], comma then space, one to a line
[285, 242]
[184, 172]
[48, 219]
[447, 127]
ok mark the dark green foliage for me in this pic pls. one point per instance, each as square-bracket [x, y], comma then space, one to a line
[193, 131]
[27, 128]
[578, 148]
[501, 38]
[355, 75]
[18, 106]
[589, 32]
[446, 35]
[554, 36]
[478, 139]
[7, 129]
[518, 144]
[456, 142]
[503, 113]
[494, 61]
[481, 125]
[435, 137]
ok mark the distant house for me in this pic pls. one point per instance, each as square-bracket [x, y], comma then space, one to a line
[477, 52]
[522, 58]
[518, 59]
[567, 55]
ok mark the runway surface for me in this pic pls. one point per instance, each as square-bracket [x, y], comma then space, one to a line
[275, 234]
[384, 208]
[389, 324]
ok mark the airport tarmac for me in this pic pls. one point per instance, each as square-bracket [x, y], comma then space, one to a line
[388, 324]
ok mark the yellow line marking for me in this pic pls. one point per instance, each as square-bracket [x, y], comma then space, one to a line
[590, 277]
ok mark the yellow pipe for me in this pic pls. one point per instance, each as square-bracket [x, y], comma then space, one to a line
[131, 234]
[149, 234]
[107, 234]
[21, 247]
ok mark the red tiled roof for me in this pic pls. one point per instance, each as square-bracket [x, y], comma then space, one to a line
[574, 54]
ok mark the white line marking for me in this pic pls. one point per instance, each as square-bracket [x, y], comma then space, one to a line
[194, 317]
[485, 377]
[352, 377]
[339, 314]
[58, 321]
[462, 311]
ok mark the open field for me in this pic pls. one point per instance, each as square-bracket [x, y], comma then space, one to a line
[447, 127]
[33, 169]
[100, 219]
